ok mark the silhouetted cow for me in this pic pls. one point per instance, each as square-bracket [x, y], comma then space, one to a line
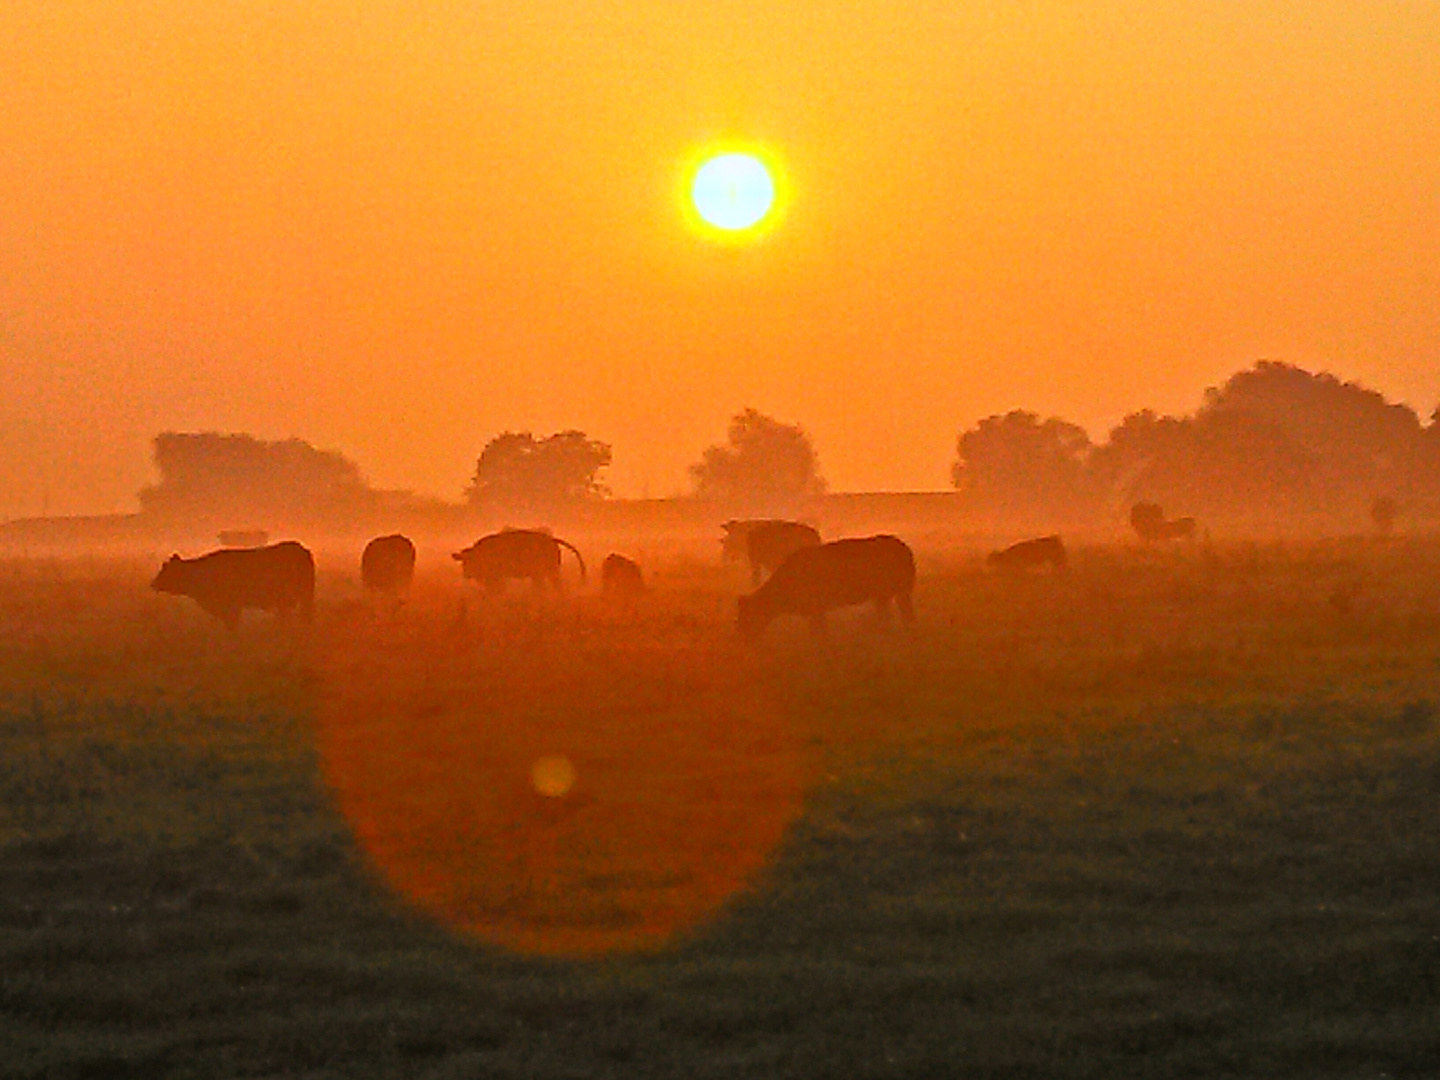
[277, 578]
[388, 564]
[842, 573]
[1030, 554]
[621, 579]
[516, 553]
[1148, 521]
[772, 542]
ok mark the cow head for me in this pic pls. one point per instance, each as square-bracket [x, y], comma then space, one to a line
[170, 579]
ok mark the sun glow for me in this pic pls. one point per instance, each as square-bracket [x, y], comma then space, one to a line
[733, 193]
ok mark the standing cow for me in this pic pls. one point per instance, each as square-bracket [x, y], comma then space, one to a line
[842, 573]
[516, 553]
[765, 543]
[278, 578]
[387, 565]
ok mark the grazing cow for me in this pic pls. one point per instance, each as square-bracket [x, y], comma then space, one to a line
[388, 564]
[277, 578]
[1148, 521]
[515, 553]
[841, 573]
[621, 579]
[1029, 554]
[244, 538]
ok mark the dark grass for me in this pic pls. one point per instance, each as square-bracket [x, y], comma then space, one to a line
[1171, 816]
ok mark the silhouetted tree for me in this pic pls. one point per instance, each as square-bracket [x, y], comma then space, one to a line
[517, 471]
[764, 466]
[1273, 441]
[241, 480]
[1018, 463]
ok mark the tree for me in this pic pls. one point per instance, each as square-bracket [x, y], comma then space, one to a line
[1019, 463]
[517, 471]
[764, 466]
[207, 477]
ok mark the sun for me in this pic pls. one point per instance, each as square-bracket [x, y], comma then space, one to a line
[733, 193]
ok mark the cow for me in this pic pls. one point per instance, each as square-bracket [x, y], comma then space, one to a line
[1030, 554]
[771, 543]
[388, 564]
[1148, 521]
[621, 579]
[278, 578]
[842, 573]
[515, 553]
[765, 543]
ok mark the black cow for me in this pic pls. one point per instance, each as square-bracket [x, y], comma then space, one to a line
[278, 578]
[842, 573]
[516, 553]
[388, 564]
[1030, 554]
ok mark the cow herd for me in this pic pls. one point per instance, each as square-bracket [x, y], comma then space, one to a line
[792, 570]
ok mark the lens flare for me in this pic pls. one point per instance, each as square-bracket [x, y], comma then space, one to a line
[674, 789]
[552, 776]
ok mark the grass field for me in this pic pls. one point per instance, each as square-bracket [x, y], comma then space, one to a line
[1169, 815]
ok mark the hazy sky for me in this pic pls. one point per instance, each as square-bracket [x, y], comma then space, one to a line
[396, 228]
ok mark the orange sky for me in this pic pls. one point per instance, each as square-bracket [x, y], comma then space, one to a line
[397, 228]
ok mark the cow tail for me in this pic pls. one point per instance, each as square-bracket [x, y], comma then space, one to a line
[578, 557]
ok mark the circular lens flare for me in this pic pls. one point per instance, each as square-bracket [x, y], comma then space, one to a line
[733, 191]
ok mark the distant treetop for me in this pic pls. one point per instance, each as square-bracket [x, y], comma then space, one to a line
[517, 471]
[764, 466]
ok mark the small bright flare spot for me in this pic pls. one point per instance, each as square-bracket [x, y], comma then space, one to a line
[733, 191]
[552, 776]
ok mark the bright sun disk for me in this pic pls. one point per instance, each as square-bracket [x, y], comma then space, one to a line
[733, 191]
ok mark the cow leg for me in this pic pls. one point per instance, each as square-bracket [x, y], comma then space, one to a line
[494, 585]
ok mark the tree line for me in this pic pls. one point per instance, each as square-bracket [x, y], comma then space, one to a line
[1273, 440]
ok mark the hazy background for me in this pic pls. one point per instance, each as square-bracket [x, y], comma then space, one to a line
[398, 228]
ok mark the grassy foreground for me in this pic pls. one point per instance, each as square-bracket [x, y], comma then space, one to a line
[1171, 815]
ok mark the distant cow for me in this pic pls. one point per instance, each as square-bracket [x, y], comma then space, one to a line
[621, 579]
[279, 578]
[1030, 554]
[244, 538]
[842, 573]
[1148, 521]
[770, 544]
[388, 564]
[516, 553]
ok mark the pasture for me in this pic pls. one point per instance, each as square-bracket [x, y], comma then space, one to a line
[1170, 814]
